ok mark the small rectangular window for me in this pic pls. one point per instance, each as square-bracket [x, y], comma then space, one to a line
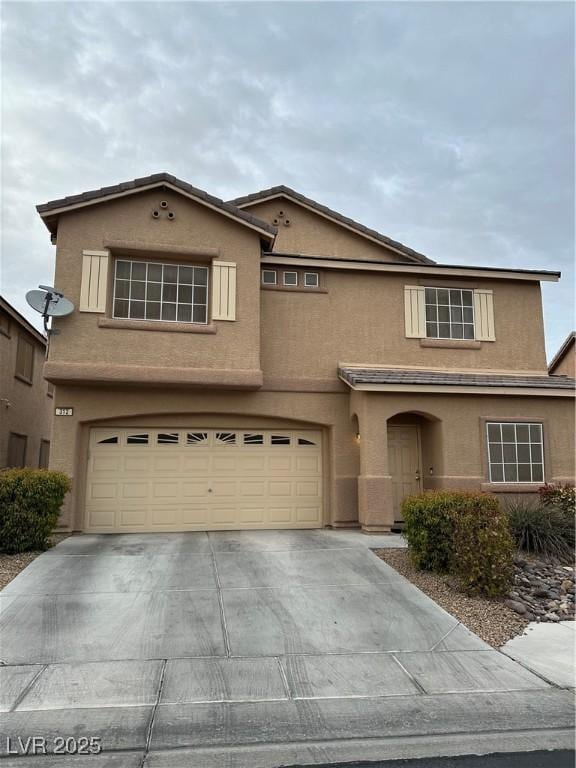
[17, 450]
[44, 458]
[515, 452]
[25, 359]
[311, 279]
[269, 277]
[280, 440]
[290, 278]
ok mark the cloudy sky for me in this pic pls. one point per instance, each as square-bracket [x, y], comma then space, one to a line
[447, 126]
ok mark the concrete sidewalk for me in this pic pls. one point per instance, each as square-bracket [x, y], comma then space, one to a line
[253, 649]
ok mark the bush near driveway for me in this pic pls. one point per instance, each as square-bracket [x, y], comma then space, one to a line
[462, 533]
[30, 500]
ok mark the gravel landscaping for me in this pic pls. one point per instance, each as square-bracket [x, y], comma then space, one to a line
[542, 591]
[492, 620]
[11, 565]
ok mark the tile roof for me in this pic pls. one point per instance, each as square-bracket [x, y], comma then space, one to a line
[355, 376]
[561, 354]
[363, 230]
[44, 209]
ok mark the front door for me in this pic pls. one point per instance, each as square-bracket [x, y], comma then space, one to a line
[405, 464]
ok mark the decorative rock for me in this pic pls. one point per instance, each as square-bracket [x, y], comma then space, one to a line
[566, 585]
[516, 606]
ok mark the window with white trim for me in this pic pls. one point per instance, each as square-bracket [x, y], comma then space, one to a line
[290, 278]
[311, 279]
[269, 277]
[449, 313]
[154, 291]
[515, 452]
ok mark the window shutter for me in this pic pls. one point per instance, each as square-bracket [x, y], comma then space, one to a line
[94, 281]
[414, 312]
[223, 290]
[484, 315]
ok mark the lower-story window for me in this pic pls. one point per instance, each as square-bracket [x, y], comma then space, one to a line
[515, 452]
[17, 450]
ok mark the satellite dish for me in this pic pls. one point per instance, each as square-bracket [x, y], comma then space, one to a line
[49, 303]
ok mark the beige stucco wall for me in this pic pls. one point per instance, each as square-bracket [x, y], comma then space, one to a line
[313, 234]
[567, 366]
[456, 447]
[361, 320]
[357, 478]
[30, 408]
[235, 345]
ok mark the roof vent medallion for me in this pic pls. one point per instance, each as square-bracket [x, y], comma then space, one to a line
[281, 218]
[162, 211]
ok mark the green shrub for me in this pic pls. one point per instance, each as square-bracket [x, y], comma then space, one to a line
[483, 550]
[563, 497]
[462, 533]
[544, 529]
[30, 500]
[428, 529]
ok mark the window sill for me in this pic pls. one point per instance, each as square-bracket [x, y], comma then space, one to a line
[293, 289]
[451, 343]
[511, 487]
[155, 325]
[23, 379]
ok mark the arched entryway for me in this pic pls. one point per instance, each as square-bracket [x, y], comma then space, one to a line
[415, 456]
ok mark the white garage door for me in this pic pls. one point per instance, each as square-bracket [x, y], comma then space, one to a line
[203, 479]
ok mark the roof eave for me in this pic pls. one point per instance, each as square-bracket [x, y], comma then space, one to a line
[328, 213]
[50, 211]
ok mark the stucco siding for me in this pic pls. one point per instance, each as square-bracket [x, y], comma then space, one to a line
[234, 345]
[24, 409]
[361, 320]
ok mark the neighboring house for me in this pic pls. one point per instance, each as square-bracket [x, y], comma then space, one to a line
[564, 361]
[26, 399]
[269, 363]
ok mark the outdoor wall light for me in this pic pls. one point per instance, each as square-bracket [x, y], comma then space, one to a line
[357, 437]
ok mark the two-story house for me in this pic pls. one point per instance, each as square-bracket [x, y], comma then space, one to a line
[270, 363]
[26, 399]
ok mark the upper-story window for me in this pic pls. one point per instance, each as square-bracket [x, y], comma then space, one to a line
[154, 291]
[25, 359]
[290, 278]
[269, 277]
[449, 313]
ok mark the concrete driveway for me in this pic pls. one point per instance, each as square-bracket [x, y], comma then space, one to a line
[251, 649]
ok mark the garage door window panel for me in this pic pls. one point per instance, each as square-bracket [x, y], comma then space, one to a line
[253, 439]
[139, 439]
[168, 438]
[167, 292]
[197, 438]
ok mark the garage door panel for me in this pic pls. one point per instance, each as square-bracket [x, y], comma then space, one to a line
[203, 479]
[135, 490]
[102, 518]
[137, 463]
[194, 489]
